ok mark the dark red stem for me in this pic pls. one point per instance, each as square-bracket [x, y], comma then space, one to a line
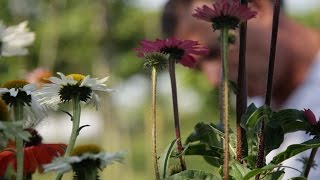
[172, 73]
[241, 101]
[273, 47]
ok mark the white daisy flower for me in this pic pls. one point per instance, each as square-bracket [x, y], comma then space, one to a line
[15, 39]
[65, 88]
[11, 130]
[20, 91]
[84, 159]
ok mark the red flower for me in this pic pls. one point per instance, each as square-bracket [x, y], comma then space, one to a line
[310, 116]
[179, 50]
[36, 154]
[224, 14]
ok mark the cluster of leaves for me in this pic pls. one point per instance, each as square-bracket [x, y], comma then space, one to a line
[206, 141]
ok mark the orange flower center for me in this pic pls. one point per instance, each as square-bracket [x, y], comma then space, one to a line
[15, 84]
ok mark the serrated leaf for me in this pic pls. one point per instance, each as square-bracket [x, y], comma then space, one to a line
[165, 158]
[295, 149]
[193, 175]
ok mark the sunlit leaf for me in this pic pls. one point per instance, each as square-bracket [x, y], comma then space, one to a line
[165, 158]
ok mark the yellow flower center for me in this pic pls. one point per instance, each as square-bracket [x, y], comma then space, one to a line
[15, 84]
[88, 148]
[4, 111]
[77, 77]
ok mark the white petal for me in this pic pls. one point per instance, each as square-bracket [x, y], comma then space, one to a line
[13, 92]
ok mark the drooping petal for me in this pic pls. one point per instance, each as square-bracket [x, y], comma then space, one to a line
[224, 14]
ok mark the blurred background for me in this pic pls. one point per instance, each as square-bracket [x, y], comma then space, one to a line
[96, 37]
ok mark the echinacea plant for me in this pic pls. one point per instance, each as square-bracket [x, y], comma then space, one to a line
[225, 15]
[178, 51]
[155, 61]
[85, 161]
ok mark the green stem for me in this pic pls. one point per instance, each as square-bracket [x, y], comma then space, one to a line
[224, 101]
[18, 114]
[154, 122]
[75, 128]
[172, 73]
[86, 172]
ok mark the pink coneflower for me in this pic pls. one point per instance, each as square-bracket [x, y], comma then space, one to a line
[310, 117]
[39, 76]
[182, 51]
[35, 153]
[224, 14]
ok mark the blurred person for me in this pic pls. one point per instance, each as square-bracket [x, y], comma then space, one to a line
[297, 69]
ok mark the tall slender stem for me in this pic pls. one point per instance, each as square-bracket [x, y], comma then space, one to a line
[75, 128]
[154, 122]
[224, 101]
[273, 47]
[172, 73]
[75, 125]
[18, 113]
[310, 162]
[241, 101]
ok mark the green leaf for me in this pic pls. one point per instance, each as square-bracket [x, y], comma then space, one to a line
[232, 86]
[238, 171]
[204, 133]
[256, 116]
[274, 136]
[255, 172]
[165, 158]
[193, 175]
[274, 175]
[212, 155]
[299, 178]
[250, 121]
[291, 120]
[295, 149]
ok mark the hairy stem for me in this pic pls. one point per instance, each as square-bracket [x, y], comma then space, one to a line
[154, 122]
[224, 101]
[172, 73]
[75, 125]
[310, 162]
[241, 100]
[18, 114]
[75, 128]
[273, 47]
